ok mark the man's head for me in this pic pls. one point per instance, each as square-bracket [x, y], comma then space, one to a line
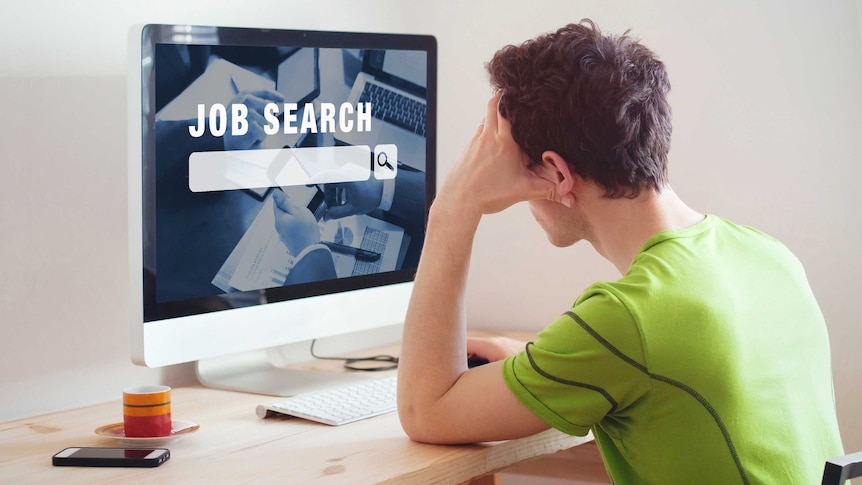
[598, 101]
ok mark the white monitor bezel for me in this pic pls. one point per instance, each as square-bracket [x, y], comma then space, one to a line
[195, 337]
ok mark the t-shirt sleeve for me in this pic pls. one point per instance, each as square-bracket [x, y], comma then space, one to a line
[583, 367]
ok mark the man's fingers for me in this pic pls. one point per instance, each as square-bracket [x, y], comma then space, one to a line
[339, 211]
[491, 115]
[547, 190]
[504, 126]
[536, 187]
[268, 95]
[278, 197]
[478, 346]
[257, 100]
[479, 129]
[256, 104]
[283, 201]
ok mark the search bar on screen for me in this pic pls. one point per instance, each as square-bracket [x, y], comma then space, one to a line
[255, 169]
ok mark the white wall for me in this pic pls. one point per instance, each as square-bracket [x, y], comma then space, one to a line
[766, 99]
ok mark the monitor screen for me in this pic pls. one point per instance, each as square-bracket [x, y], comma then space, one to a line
[279, 185]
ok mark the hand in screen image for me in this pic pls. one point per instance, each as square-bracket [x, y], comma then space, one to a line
[296, 226]
[352, 198]
[255, 101]
[405, 200]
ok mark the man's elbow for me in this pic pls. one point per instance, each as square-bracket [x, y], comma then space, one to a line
[413, 424]
[421, 426]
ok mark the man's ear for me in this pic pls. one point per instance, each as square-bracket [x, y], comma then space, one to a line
[555, 170]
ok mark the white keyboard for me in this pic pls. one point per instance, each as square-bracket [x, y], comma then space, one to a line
[340, 405]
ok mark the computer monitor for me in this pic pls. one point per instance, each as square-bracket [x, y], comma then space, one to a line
[275, 196]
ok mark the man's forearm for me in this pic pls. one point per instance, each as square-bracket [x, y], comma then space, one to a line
[433, 386]
[433, 348]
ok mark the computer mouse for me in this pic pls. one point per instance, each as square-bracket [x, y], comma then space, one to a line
[475, 361]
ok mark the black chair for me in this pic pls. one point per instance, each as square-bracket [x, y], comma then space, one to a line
[842, 468]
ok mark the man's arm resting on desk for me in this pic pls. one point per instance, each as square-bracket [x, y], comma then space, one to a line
[439, 400]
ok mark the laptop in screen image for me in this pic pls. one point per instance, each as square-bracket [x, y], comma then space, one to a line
[394, 82]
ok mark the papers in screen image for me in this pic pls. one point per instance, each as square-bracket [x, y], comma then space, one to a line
[260, 260]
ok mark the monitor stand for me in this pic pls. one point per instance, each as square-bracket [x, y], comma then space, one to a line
[254, 372]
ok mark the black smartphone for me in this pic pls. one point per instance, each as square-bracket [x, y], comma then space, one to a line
[120, 457]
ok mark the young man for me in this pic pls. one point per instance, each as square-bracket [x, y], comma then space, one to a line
[706, 362]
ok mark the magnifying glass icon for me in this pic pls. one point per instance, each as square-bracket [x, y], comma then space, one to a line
[383, 160]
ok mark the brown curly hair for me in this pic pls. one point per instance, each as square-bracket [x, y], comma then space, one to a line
[599, 101]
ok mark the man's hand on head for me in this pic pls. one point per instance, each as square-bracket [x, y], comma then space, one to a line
[493, 172]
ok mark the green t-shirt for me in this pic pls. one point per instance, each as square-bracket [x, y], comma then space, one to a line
[708, 362]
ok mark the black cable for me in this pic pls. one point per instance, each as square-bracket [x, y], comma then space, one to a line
[366, 364]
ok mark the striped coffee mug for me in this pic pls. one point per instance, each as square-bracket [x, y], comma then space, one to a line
[147, 411]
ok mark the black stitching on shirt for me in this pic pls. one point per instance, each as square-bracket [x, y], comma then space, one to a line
[711, 410]
[554, 378]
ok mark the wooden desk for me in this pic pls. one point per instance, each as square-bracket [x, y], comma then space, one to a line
[234, 446]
